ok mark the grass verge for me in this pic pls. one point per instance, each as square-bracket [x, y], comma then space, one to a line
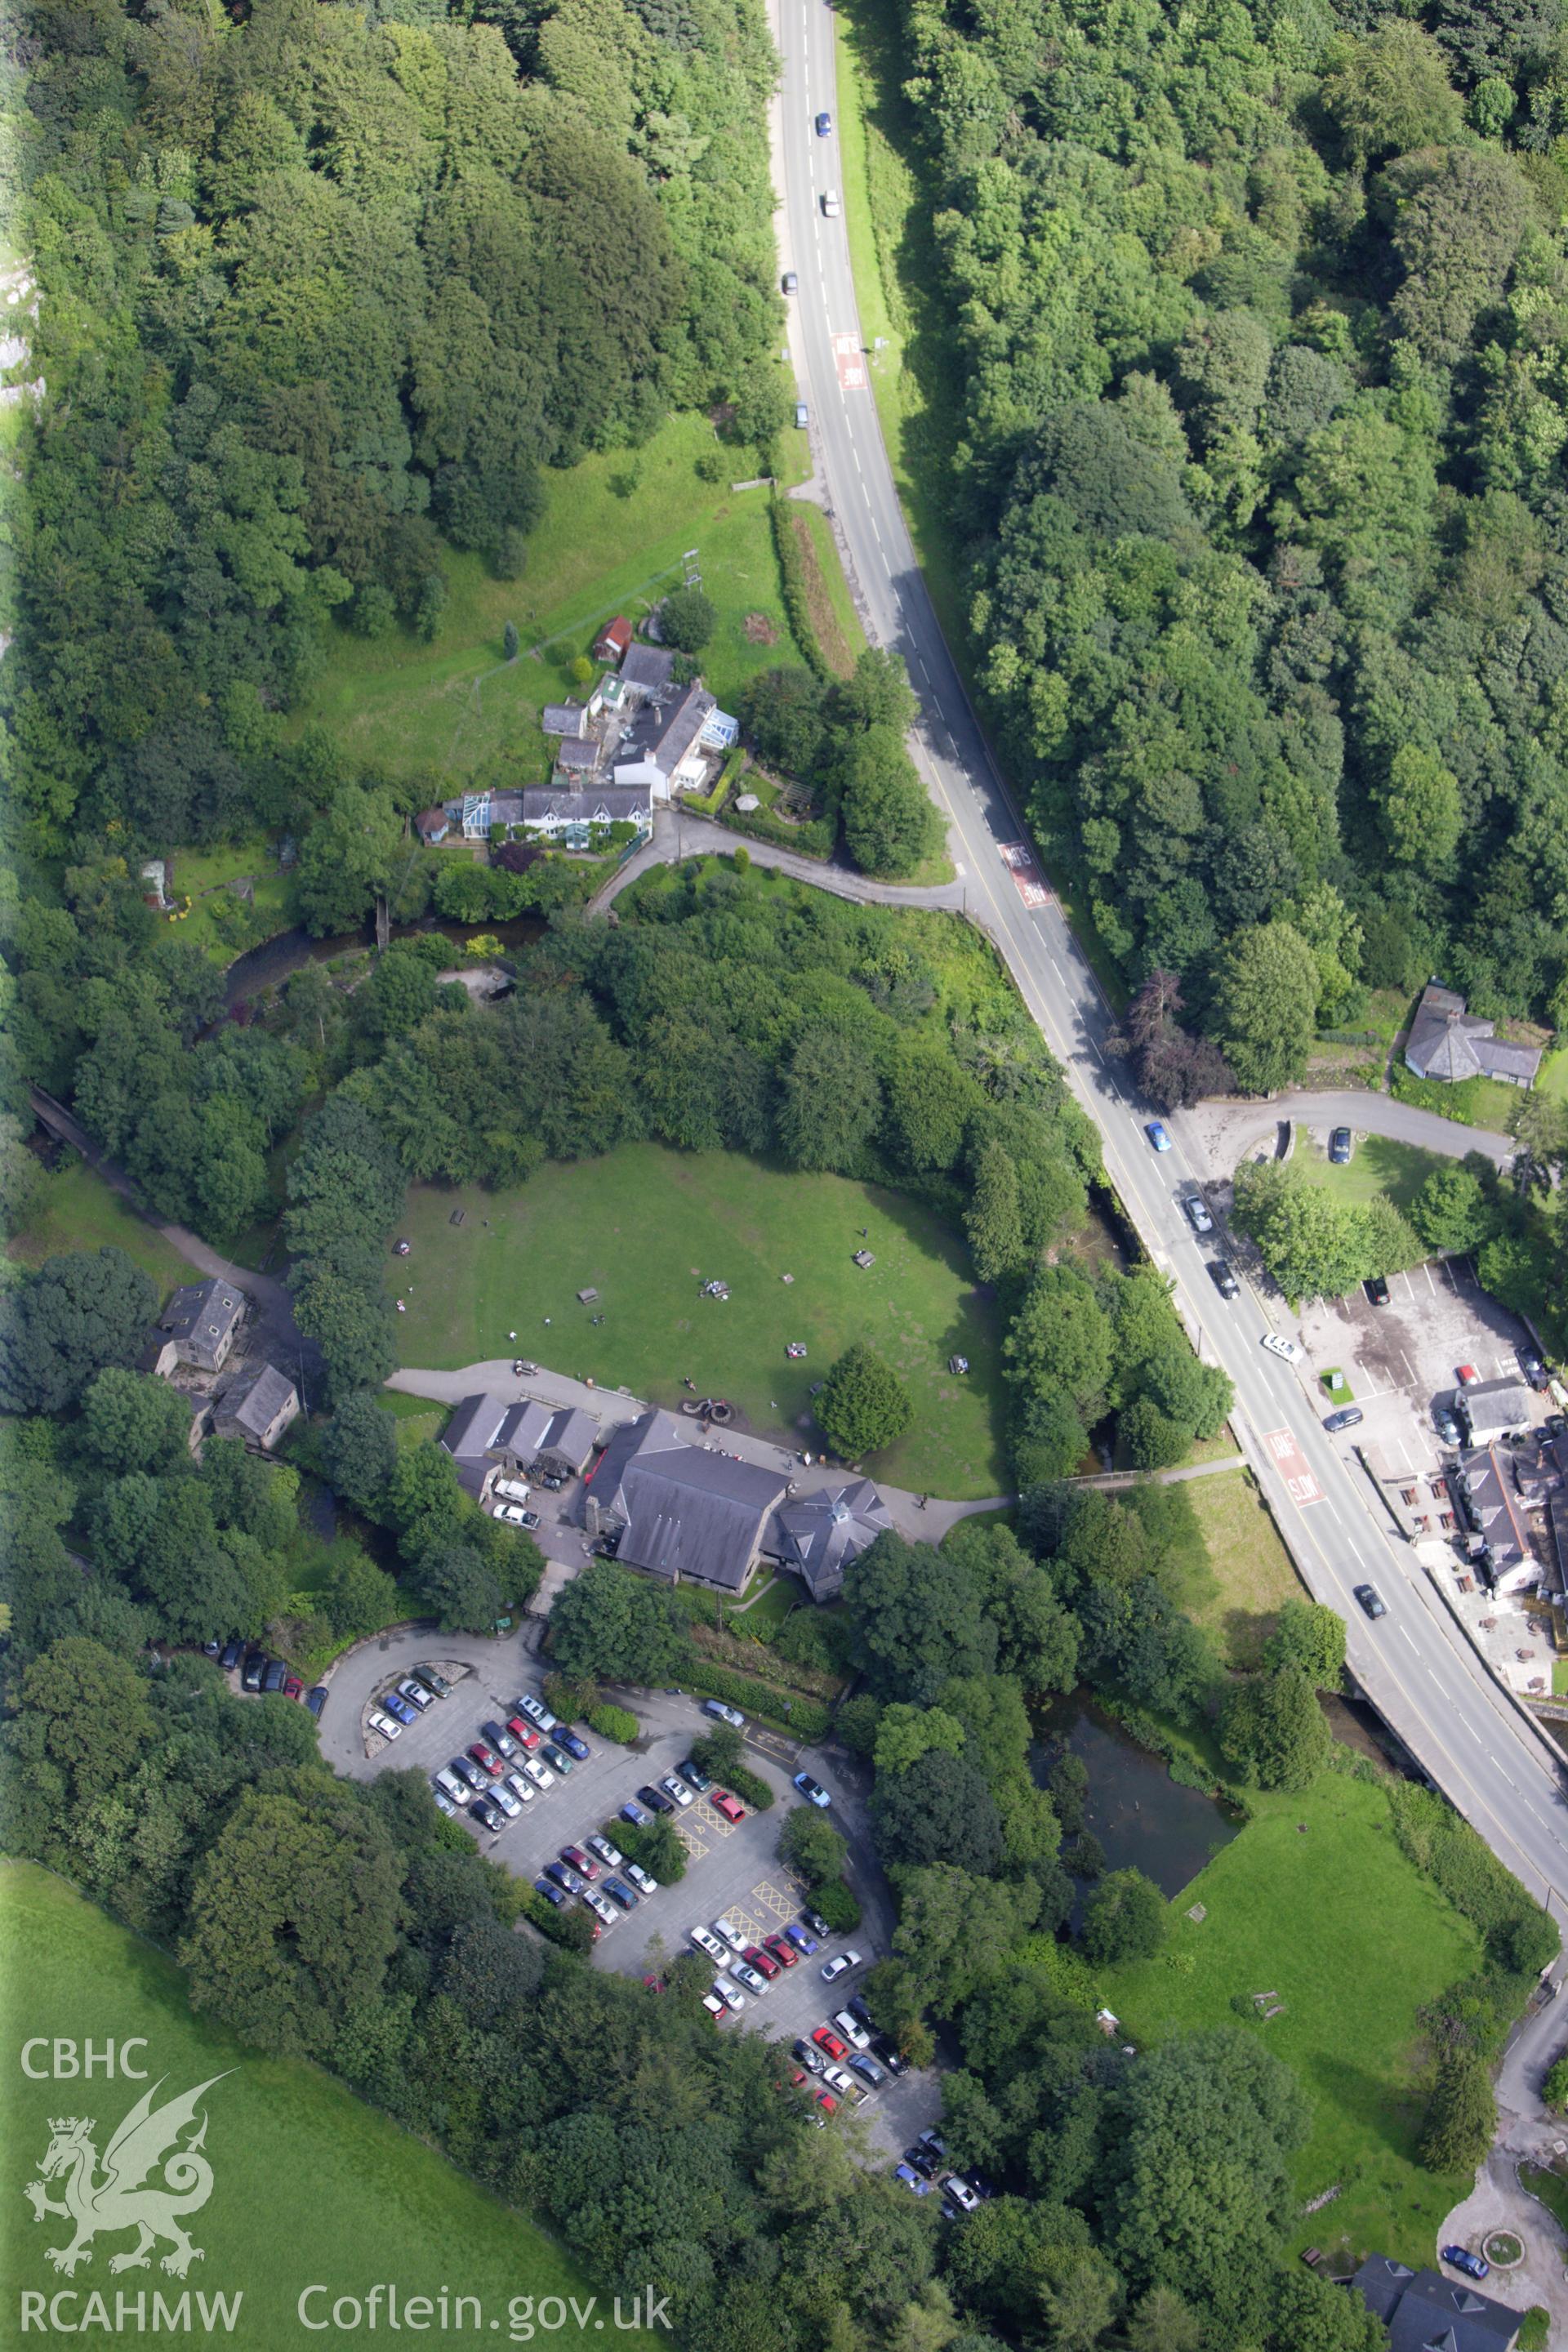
[79, 1211]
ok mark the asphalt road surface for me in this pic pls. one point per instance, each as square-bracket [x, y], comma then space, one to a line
[1415, 1666]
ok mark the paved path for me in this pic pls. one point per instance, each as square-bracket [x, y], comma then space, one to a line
[612, 1406]
[1221, 1132]
[676, 835]
[1111, 1478]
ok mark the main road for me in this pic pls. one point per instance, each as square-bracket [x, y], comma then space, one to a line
[1413, 1665]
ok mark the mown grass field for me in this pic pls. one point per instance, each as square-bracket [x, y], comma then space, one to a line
[645, 1226]
[78, 1210]
[612, 539]
[1245, 1576]
[310, 2187]
[1377, 1166]
[1314, 1902]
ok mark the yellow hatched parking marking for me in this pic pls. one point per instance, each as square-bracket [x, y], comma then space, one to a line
[777, 1900]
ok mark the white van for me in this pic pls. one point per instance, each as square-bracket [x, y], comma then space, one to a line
[513, 1488]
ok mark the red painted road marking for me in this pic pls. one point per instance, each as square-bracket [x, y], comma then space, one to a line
[1292, 1467]
[851, 363]
[1019, 860]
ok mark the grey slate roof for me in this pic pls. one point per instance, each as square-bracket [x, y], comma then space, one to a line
[818, 1535]
[649, 669]
[1425, 2312]
[253, 1402]
[663, 732]
[596, 805]
[1488, 1407]
[483, 1428]
[1494, 1502]
[685, 1512]
[1449, 1043]
[564, 718]
[200, 1316]
[578, 755]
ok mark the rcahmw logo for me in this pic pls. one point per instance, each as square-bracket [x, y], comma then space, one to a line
[151, 2176]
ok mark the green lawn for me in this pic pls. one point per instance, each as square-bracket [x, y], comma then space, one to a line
[644, 1225]
[199, 875]
[79, 1211]
[309, 2187]
[1554, 1078]
[1474, 1102]
[1352, 1940]
[1243, 1576]
[1377, 1165]
[611, 539]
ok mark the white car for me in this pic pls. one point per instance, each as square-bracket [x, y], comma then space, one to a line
[966, 2199]
[830, 205]
[610, 1855]
[716, 2005]
[384, 1724]
[448, 1785]
[676, 1788]
[1283, 1348]
[851, 2029]
[732, 1934]
[540, 1774]
[644, 1883]
[523, 1790]
[505, 1799]
[512, 1513]
[1198, 1216]
[706, 1942]
[600, 1904]
[839, 1966]
[417, 1694]
[752, 1978]
[844, 2084]
[728, 1992]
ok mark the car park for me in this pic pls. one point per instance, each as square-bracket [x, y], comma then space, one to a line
[384, 1724]
[812, 1791]
[434, 1682]
[750, 1976]
[1474, 2266]
[1349, 1416]
[233, 1651]
[501, 1741]
[578, 1750]
[839, 1966]
[782, 1950]
[485, 1759]
[523, 1733]
[1377, 1290]
[729, 1990]
[851, 2029]
[643, 1880]
[620, 1892]
[607, 1853]
[1285, 1349]
[756, 1957]
[691, 1771]
[523, 1790]
[706, 1941]
[540, 1774]
[418, 1697]
[1222, 1275]
[1340, 1146]
[655, 1800]
[676, 1788]
[1155, 1131]
[506, 1801]
[316, 1699]
[580, 1861]
[804, 1941]
[827, 2040]
[1371, 1600]
[555, 1758]
[1197, 1213]
[723, 1714]
[730, 1806]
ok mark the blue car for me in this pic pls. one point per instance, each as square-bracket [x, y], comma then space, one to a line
[824, 125]
[911, 2179]
[635, 1815]
[1463, 2260]
[618, 1892]
[1157, 1136]
[812, 1791]
[550, 1894]
[399, 1707]
[573, 1745]
[802, 1941]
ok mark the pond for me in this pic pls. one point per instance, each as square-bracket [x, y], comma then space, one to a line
[269, 965]
[1143, 1819]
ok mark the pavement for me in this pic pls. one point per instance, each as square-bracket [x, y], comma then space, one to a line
[611, 1406]
[1431, 1687]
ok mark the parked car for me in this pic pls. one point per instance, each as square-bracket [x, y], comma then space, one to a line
[523, 1790]
[1445, 1421]
[633, 1812]
[276, 1674]
[1532, 1366]
[851, 2029]
[444, 1804]
[1340, 1146]
[213, 1648]
[536, 1712]
[540, 1774]
[255, 1667]
[605, 1912]
[826, 2039]
[673, 1786]
[823, 124]
[923, 2160]
[966, 2199]
[707, 1941]
[416, 1694]
[844, 2084]
[293, 1687]
[1473, 2265]
[801, 415]
[509, 1804]
[1222, 1275]
[523, 1733]
[758, 1957]
[447, 1779]
[724, 1802]
[714, 2003]
[609, 1854]
[1286, 1348]
[730, 1992]
[513, 1514]
[552, 1481]
[643, 1880]
[1198, 1212]
[564, 1875]
[384, 1724]
[550, 1894]
[752, 1978]
[580, 1861]
[1466, 1375]
[434, 1683]
[804, 1943]
[1371, 1600]
[468, 1772]
[528, 1519]
[485, 1759]
[812, 1791]
[1349, 1416]
[839, 1966]
[232, 1653]
[1377, 1290]
[911, 2179]
[1155, 1131]
[782, 1950]
[816, 1922]
[487, 1814]
[693, 1771]
[395, 1703]
[499, 1740]
[316, 1699]
[621, 1894]
[810, 2056]
[791, 282]
[726, 1929]
[889, 2055]
[578, 1750]
[723, 1714]
[655, 1800]
[556, 1757]
[866, 2066]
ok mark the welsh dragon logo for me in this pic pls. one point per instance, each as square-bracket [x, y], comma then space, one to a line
[145, 2142]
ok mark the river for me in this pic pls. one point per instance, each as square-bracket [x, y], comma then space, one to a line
[270, 964]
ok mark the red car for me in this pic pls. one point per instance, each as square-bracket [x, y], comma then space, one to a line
[485, 1760]
[765, 1962]
[826, 2039]
[523, 1733]
[781, 1949]
[1468, 1373]
[827, 2102]
[730, 1806]
[581, 1862]
[293, 1687]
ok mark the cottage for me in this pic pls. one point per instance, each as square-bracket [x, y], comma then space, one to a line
[491, 1436]
[1425, 2312]
[481, 813]
[1491, 1408]
[646, 670]
[818, 1535]
[679, 1510]
[1450, 1044]
[558, 815]
[433, 825]
[614, 640]
[579, 757]
[663, 747]
[566, 718]
[1491, 1509]
[203, 1318]
[258, 1407]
